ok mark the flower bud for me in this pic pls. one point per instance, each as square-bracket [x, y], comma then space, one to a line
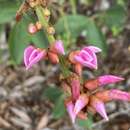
[109, 79]
[78, 69]
[47, 13]
[119, 95]
[99, 106]
[51, 30]
[70, 109]
[53, 57]
[72, 55]
[32, 29]
[38, 25]
[91, 84]
[75, 88]
[81, 102]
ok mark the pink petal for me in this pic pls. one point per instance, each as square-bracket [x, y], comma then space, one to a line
[93, 55]
[108, 79]
[85, 55]
[100, 108]
[70, 110]
[119, 95]
[75, 85]
[93, 48]
[85, 63]
[59, 47]
[80, 103]
[40, 56]
[27, 53]
[33, 54]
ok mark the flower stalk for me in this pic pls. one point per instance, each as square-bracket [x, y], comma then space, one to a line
[40, 14]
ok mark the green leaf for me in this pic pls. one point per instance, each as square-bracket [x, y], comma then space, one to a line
[52, 93]
[86, 123]
[39, 39]
[8, 10]
[59, 109]
[77, 24]
[115, 16]
[96, 37]
[18, 40]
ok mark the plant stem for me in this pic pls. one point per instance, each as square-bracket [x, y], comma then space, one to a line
[73, 4]
[40, 14]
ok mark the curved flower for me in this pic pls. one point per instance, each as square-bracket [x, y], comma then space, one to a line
[32, 56]
[99, 106]
[101, 81]
[81, 102]
[87, 57]
[70, 109]
[59, 47]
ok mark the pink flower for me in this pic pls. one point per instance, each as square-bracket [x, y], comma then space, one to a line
[87, 57]
[99, 107]
[81, 102]
[59, 48]
[75, 88]
[70, 110]
[32, 56]
[119, 95]
[108, 79]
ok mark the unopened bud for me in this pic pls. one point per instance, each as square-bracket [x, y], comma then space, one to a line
[78, 69]
[51, 30]
[47, 13]
[91, 84]
[53, 57]
[38, 25]
[32, 29]
[71, 56]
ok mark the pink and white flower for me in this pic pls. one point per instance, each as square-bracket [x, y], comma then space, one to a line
[32, 56]
[87, 57]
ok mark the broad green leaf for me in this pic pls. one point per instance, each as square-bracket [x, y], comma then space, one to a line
[52, 93]
[59, 108]
[8, 10]
[40, 40]
[77, 24]
[115, 16]
[18, 40]
[96, 37]
[74, 23]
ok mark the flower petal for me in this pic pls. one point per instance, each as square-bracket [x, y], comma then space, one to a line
[27, 53]
[70, 110]
[93, 48]
[40, 56]
[75, 86]
[108, 79]
[81, 102]
[119, 95]
[59, 47]
[99, 106]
